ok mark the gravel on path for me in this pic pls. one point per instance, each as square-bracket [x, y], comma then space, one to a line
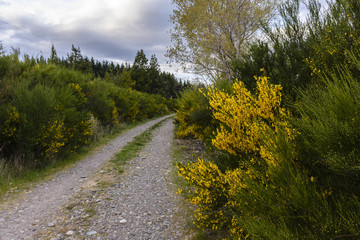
[20, 218]
[144, 205]
[140, 203]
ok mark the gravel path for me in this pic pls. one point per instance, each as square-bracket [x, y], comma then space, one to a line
[140, 201]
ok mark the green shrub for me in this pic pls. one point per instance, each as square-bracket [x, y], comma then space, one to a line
[10, 69]
[99, 101]
[335, 35]
[47, 110]
[126, 101]
[52, 75]
[282, 55]
[193, 114]
[41, 121]
[329, 116]
[151, 105]
[39, 130]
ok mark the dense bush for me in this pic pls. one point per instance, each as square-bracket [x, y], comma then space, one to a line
[328, 120]
[294, 169]
[296, 50]
[243, 117]
[291, 180]
[193, 114]
[335, 36]
[47, 110]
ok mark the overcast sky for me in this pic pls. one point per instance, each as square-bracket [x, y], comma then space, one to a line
[103, 29]
[111, 30]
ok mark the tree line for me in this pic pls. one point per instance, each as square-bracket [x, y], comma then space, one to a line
[143, 75]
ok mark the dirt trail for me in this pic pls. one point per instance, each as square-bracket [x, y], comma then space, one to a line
[22, 217]
[140, 203]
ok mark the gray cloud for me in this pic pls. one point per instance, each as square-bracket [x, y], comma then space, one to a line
[90, 33]
[4, 25]
[156, 16]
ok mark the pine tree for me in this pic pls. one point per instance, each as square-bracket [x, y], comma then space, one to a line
[54, 57]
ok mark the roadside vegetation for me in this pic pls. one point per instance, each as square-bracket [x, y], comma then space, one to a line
[51, 109]
[280, 127]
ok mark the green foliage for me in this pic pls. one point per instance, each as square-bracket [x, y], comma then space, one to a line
[208, 34]
[125, 80]
[282, 56]
[99, 101]
[126, 101]
[335, 36]
[40, 121]
[291, 189]
[328, 120]
[10, 68]
[303, 187]
[37, 117]
[297, 49]
[47, 111]
[194, 115]
[147, 77]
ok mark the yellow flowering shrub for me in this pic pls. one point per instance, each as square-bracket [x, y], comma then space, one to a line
[210, 194]
[47, 110]
[245, 118]
[80, 132]
[51, 138]
[115, 116]
[10, 126]
[80, 95]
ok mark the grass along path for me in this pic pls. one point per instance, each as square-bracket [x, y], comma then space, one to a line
[132, 149]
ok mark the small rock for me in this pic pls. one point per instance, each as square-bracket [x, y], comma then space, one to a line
[91, 233]
[101, 171]
[51, 224]
[69, 233]
[123, 221]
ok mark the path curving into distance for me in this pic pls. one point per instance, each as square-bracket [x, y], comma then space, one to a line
[23, 217]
